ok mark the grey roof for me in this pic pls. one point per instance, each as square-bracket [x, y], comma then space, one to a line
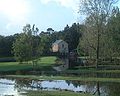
[57, 42]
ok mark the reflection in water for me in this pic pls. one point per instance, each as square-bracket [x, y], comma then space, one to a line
[17, 86]
[58, 85]
[97, 89]
[7, 87]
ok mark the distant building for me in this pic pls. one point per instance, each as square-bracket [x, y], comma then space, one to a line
[60, 46]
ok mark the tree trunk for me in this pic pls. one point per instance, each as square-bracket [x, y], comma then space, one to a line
[97, 51]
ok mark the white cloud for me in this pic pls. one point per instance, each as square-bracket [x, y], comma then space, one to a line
[15, 11]
[73, 4]
[10, 25]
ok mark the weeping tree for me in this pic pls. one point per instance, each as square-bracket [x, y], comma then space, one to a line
[97, 14]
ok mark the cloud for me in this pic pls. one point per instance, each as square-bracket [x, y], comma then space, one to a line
[73, 4]
[15, 11]
[10, 25]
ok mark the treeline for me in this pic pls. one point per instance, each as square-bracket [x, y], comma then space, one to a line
[41, 41]
[6, 45]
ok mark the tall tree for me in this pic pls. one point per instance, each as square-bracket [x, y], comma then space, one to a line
[71, 35]
[22, 48]
[45, 44]
[97, 12]
[114, 33]
[26, 45]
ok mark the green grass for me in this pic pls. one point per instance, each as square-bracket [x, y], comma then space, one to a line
[92, 79]
[15, 66]
[55, 93]
[92, 70]
[46, 64]
[46, 61]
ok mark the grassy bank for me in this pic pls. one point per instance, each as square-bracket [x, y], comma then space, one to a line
[45, 65]
[55, 93]
[91, 71]
[15, 66]
[92, 79]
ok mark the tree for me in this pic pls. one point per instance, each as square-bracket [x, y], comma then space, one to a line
[98, 12]
[71, 35]
[6, 45]
[45, 44]
[114, 33]
[35, 30]
[50, 30]
[22, 48]
[26, 45]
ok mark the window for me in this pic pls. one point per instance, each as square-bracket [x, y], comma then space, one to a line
[62, 45]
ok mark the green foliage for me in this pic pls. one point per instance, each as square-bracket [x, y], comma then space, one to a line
[6, 45]
[100, 37]
[26, 45]
[7, 59]
[22, 48]
[114, 33]
[29, 44]
[71, 35]
[45, 44]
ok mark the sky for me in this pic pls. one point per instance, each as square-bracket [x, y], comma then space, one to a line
[14, 14]
[56, 14]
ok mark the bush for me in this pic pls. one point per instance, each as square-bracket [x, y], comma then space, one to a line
[7, 59]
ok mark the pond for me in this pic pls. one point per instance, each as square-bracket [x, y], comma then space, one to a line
[15, 87]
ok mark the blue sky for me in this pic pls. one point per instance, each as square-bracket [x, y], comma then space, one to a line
[14, 14]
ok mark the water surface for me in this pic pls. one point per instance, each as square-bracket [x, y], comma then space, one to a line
[17, 86]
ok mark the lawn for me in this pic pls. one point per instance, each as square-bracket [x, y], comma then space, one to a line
[46, 64]
[47, 60]
[55, 93]
[15, 66]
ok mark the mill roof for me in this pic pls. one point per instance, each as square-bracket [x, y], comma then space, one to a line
[57, 42]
